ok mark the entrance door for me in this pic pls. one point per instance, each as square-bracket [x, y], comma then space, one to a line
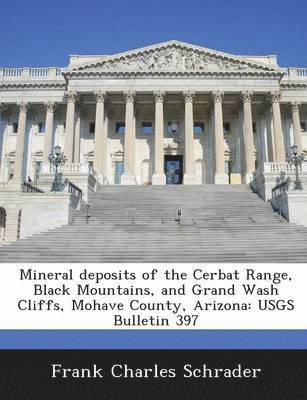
[119, 170]
[173, 166]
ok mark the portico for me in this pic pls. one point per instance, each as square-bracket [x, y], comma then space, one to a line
[125, 116]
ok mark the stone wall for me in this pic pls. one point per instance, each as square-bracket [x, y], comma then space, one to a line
[292, 206]
[31, 213]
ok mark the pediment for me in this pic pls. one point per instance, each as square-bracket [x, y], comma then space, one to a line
[173, 58]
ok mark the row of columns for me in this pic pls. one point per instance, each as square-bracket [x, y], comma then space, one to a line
[159, 96]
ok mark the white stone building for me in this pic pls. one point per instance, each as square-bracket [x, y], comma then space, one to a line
[169, 113]
[137, 115]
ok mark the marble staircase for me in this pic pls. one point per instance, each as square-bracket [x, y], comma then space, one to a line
[219, 223]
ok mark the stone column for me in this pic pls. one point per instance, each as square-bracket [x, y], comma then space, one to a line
[100, 134]
[297, 131]
[128, 177]
[269, 127]
[77, 135]
[220, 177]
[19, 155]
[158, 177]
[249, 156]
[50, 107]
[278, 133]
[72, 98]
[189, 177]
[3, 139]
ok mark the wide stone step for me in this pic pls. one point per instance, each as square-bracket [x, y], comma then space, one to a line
[220, 223]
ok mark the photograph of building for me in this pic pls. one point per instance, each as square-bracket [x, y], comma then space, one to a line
[143, 134]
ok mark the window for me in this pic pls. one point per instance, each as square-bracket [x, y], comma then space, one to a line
[199, 128]
[91, 128]
[226, 126]
[303, 126]
[147, 128]
[15, 127]
[120, 128]
[64, 126]
[119, 170]
[172, 128]
[254, 127]
[41, 127]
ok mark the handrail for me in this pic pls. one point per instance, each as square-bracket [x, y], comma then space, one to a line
[29, 187]
[72, 188]
[282, 187]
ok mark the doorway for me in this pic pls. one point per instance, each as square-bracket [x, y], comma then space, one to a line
[173, 167]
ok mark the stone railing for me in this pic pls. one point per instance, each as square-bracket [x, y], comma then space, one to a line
[29, 187]
[296, 73]
[68, 168]
[72, 188]
[49, 73]
[270, 174]
[79, 174]
[277, 167]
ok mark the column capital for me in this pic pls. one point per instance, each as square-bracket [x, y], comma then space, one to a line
[71, 97]
[23, 106]
[50, 106]
[295, 105]
[217, 96]
[159, 96]
[188, 96]
[274, 96]
[246, 95]
[129, 96]
[100, 96]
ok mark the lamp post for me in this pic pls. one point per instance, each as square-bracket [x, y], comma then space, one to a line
[293, 158]
[58, 159]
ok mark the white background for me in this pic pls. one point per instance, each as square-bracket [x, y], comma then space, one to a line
[13, 289]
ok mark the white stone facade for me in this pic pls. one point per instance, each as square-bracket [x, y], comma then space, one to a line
[213, 116]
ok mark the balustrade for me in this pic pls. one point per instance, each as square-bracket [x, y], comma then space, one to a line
[30, 73]
[68, 168]
[296, 73]
[277, 167]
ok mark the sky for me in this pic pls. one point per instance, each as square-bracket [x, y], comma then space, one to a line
[44, 33]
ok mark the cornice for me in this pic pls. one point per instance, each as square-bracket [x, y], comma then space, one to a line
[293, 85]
[33, 85]
[172, 74]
